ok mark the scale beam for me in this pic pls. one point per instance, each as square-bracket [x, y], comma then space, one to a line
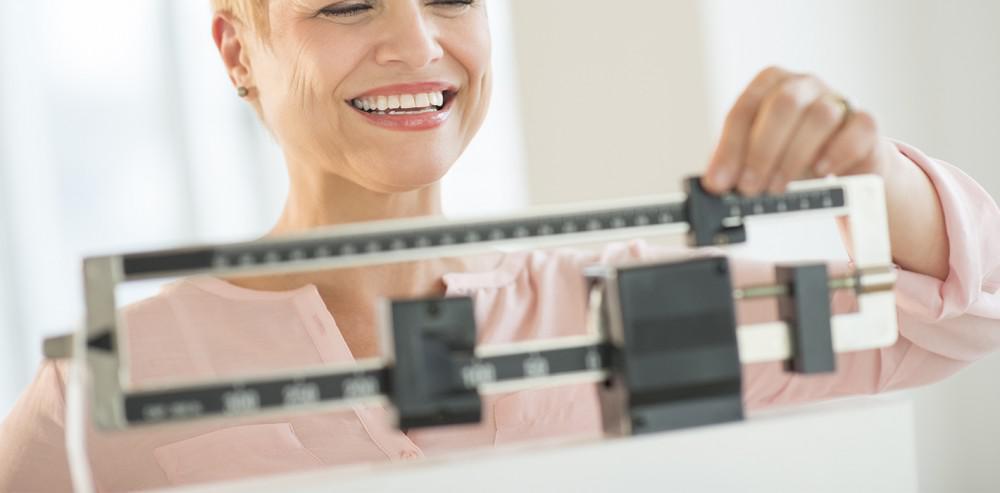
[420, 392]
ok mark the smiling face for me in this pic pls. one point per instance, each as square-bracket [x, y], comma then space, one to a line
[384, 93]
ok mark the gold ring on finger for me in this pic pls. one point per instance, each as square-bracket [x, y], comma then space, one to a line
[845, 105]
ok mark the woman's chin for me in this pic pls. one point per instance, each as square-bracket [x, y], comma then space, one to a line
[402, 177]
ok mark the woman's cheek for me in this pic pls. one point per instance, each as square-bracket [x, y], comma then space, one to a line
[470, 46]
[474, 46]
[478, 116]
[305, 115]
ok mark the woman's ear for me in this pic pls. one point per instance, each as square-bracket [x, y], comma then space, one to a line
[227, 35]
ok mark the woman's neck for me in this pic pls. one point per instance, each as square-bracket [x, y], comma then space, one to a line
[318, 199]
[321, 199]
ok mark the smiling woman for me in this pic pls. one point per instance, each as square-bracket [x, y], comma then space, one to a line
[319, 60]
[307, 76]
[165, 140]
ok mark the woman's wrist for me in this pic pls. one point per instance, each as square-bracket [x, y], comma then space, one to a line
[916, 218]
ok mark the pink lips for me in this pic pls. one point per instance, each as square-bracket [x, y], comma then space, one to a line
[413, 122]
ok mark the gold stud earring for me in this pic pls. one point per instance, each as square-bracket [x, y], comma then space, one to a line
[242, 91]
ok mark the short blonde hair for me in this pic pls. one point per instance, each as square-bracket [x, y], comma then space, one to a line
[250, 12]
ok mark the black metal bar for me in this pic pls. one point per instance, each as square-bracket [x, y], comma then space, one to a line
[148, 407]
[537, 364]
[806, 310]
[707, 226]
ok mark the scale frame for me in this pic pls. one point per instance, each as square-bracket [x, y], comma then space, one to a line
[98, 347]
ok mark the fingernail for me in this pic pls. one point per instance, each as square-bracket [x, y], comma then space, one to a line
[721, 178]
[748, 182]
[822, 167]
[777, 184]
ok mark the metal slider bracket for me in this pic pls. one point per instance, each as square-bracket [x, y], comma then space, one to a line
[433, 341]
[806, 310]
[707, 215]
[665, 350]
[663, 343]
[437, 372]
[675, 362]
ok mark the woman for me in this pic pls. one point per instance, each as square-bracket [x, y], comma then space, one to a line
[372, 101]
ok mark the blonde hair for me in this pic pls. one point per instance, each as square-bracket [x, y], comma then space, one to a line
[249, 12]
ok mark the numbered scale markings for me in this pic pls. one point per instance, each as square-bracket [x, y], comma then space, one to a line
[458, 233]
[248, 397]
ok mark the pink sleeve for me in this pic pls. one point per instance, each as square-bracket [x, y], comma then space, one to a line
[32, 450]
[943, 325]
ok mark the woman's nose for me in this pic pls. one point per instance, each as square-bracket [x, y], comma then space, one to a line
[409, 37]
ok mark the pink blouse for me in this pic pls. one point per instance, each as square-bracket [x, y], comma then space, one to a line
[203, 327]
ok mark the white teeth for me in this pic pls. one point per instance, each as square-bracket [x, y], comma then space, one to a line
[412, 112]
[417, 103]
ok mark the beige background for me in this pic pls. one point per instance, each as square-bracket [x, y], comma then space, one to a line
[613, 97]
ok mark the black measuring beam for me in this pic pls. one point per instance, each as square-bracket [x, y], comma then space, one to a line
[712, 220]
[149, 407]
[334, 246]
[539, 363]
[668, 356]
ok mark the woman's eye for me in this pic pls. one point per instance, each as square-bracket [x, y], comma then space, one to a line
[452, 3]
[345, 10]
[353, 9]
[451, 8]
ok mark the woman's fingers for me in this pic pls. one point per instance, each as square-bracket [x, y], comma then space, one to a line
[787, 126]
[728, 159]
[850, 148]
[821, 121]
[781, 114]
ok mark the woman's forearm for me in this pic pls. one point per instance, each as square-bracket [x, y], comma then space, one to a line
[916, 219]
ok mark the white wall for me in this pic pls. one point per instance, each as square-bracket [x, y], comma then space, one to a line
[490, 176]
[613, 97]
[627, 97]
